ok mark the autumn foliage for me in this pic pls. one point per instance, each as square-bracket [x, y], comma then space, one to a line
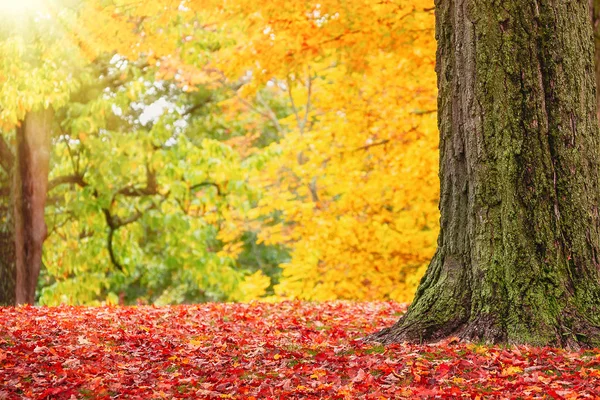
[353, 184]
[290, 151]
[264, 351]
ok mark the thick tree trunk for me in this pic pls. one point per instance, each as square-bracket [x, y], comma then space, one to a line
[595, 13]
[519, 245]
[30, 187]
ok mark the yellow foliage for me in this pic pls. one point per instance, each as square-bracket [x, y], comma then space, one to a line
[252, 287]
[355, 182]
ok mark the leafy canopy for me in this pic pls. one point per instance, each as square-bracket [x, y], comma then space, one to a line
[231, 151]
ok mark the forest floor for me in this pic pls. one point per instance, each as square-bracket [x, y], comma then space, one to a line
[288, 350]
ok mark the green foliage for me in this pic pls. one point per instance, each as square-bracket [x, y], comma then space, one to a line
[142, 185]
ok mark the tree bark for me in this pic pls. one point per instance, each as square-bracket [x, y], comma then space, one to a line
[519, 244]
[29, 200]
[595, 13]
[7, 253]
[7, 239]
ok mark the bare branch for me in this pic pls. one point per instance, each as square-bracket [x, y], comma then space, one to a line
[56, 226]
[202, 184]
[338, 37]
[131, 191]
[423, 112]
[294, 108]
[312, 186]
[309, 88]
[74, 163]
[270, 113]
[114, 224]
[197, 106]
[150, 189]
[75, 179]
[368, 146]
[111, 251]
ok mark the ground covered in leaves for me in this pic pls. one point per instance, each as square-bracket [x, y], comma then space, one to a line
[264, 351]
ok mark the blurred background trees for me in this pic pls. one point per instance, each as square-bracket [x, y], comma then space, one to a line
[234, 150]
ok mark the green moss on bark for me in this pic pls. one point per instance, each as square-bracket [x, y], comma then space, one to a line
[517, 257]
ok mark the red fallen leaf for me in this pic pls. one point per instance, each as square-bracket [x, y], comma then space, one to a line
[554, 394]
[40, 349]
[443, 370]
[202, 393]
[452, 340]
[425, 392]
[360, 375]
[286, 384]
[455, 391]
[52, 392]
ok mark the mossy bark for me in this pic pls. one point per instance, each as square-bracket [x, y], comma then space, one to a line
[519, 244]
[595, 14]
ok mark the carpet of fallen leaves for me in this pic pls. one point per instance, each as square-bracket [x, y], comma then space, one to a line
[287, 350]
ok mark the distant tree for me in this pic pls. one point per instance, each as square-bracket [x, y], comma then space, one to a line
[45, 59]
[518, 256]
[25, 126]
[7, 243]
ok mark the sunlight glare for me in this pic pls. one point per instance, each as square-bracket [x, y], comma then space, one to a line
[20, 7]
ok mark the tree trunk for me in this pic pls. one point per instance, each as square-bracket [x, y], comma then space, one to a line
[595, 13]
[519, 244]
[7, 253]
[29, 199]
[7, 239]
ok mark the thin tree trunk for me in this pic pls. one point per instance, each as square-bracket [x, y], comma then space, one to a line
[518, 251]
[7, 253]
[30, 187]
[7, 239]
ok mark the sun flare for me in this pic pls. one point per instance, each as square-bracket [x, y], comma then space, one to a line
[20, 7]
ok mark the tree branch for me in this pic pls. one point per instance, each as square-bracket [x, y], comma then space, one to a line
[423, 112]
[368, 146]
[75, 179]
[202, 184]
[309, 87]
[111, 251]
[294, 108]
[197, 106]
[270, 113]
[73, 162]
[114, 224]
[150, 189]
